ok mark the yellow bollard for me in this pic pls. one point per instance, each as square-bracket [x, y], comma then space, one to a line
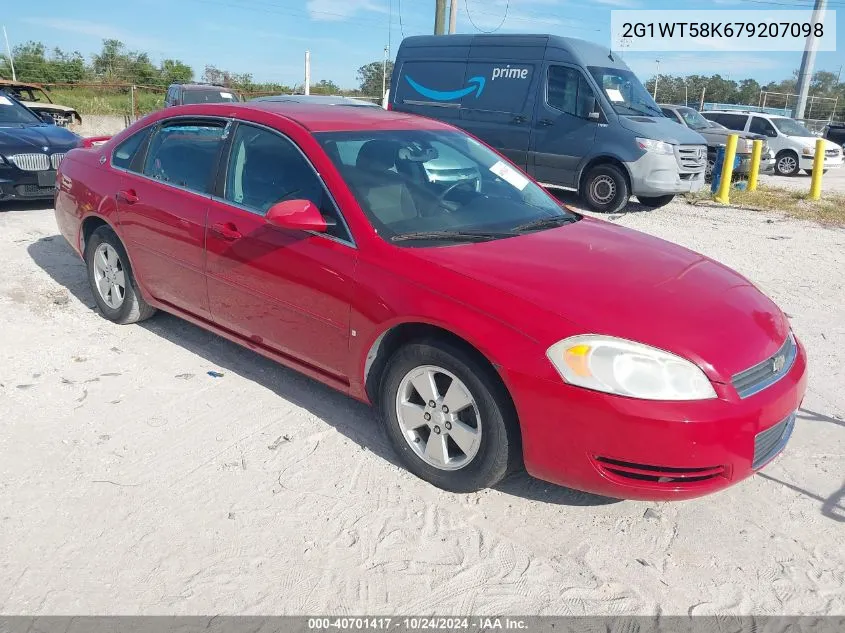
[818, 168]
[723, 195]
[756, 153]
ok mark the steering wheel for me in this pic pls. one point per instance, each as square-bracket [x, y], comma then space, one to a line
[461, 183]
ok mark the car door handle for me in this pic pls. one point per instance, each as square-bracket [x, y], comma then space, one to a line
[226, 230]
[128, 196]
[546, 122]
[519, 119]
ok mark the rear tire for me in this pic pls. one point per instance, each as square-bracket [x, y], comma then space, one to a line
[112, 282]
[467, 453]
[605, 189]
[655, 202]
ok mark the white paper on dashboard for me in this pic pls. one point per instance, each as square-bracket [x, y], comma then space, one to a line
[226, 95]
[614, 95]
[5, 100]
[510, 175]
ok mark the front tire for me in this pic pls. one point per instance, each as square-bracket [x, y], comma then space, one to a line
[605, 189]
[655, 202]
[112, 282]
[786, 164]
[448, 417]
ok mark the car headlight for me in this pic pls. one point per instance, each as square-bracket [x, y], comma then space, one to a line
[626, 368]
[658, 147]
[808, 151]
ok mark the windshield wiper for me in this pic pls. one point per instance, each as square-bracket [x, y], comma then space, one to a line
[544, 223]
[454, 236]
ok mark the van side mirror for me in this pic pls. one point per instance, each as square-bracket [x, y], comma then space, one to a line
[297, 215]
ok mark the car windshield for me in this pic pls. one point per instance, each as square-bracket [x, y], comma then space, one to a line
[421, 185]
[694, 119]
[13, 113]
[791, 127]
[625, 92]
[217, 95]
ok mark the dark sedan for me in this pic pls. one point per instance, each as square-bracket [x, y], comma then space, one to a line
[30, 151]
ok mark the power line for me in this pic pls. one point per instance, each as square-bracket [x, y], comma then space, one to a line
[471, 21]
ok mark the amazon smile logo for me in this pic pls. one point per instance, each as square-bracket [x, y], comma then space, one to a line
[476, 86]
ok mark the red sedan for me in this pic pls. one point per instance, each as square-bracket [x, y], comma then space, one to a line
[401, 261]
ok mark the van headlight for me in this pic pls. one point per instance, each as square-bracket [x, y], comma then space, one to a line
[627, 368]
[658, 147]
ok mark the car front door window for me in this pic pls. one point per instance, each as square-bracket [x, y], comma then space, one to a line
[265, 169]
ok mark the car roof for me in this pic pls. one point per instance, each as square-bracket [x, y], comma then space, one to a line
[19, 84]
[313, 117]
[203, 87]
[315, 99]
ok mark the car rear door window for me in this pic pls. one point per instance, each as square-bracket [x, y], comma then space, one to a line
[266, 168]
[569, 92]
[185, 154]
[759, 125]
[125, 154]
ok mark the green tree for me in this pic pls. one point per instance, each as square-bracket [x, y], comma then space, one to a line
[174, 71]
[370, 78]
[325, 87]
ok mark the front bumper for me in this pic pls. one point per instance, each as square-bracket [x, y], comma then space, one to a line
[636, 449]
[17, 184]
[806, 162]
[659, 174]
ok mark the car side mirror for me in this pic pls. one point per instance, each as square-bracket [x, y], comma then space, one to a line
[594, 116]
[297, 215]
[48, 118]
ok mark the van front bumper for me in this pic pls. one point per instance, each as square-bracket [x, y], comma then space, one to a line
[659, 174]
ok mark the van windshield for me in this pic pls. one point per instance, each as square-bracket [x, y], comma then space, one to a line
[427, 187]
[625, 92]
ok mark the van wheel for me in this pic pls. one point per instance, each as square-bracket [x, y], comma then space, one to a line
[786, 163]
[605, 189]
[655, 202]
[448, 418]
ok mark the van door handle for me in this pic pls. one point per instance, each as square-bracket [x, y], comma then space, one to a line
[128, 196]
[546, 122]
[226, 230]
[519, 119]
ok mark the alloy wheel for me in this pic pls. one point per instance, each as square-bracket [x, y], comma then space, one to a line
[109, 276]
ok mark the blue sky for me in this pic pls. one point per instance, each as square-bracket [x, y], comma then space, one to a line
[268, 37]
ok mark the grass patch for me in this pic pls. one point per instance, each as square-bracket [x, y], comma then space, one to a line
[102, 101]
[830, 210]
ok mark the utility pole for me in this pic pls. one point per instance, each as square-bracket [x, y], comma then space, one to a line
[439, 17]
[453, 16]
[808, 60]
[656, 79]
[384, 72]
[9, 53]
[308, 72]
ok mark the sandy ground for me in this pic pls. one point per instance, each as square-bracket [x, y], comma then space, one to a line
[133, 482]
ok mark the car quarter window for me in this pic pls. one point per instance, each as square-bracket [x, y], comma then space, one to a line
[266, 168]
[124, 154]
[759, 125]
[671, 114]
[569, 92]
[185, 154]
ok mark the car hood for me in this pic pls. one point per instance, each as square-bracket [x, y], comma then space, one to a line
[661, 129]
[45, 107]
[607, 279]
[34, 138]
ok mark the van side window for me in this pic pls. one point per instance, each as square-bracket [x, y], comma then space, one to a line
[759, 125]
[732, 121]
[569, 92]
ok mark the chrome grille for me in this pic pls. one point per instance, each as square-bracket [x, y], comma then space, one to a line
[31, 162]
[770, 442]
[831, 153]
[56, 160]
[691, 157]
[768, 372]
